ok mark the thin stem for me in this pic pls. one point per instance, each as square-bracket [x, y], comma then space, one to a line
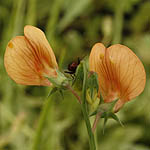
[38, 134]
[86, 118]
[96, 122]
[89, 129]
[74, 93]
[85, 112]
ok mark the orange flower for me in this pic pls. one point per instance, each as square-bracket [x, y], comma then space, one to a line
[120, 72]
[29, 58]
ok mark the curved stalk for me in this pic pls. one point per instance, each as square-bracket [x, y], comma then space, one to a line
[74, 93]
[96, 122]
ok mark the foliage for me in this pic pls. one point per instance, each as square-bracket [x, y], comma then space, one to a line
[72, 27]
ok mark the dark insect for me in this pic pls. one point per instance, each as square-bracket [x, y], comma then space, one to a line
[72, 67]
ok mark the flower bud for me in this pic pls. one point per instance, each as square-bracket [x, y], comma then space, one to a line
[92, 91]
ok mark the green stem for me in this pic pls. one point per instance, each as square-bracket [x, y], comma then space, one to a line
[88, 126]
[118, 22]
[85, 112]
[38, 134]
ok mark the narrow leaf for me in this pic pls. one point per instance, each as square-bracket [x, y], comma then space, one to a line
[52, 91]
[112, 115]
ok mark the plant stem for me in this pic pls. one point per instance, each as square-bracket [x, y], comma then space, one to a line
[85, 112]
[74, 93]
[38, 134]
[96, 122]
[88, 126]
[86, 118]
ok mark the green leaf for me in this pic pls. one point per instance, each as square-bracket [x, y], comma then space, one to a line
[78, 81]
[61, 93]
[79, 75]
[92, 81]
[75, 8]
[52, 91]
[114, 116]
[105, 121]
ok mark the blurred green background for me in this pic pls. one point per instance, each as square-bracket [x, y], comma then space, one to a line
[72, 28]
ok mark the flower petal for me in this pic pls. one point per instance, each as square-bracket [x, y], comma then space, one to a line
[20, 63]
[129, 71]
[118, 105]
[97, 63]
[120, 73]
[41, 47]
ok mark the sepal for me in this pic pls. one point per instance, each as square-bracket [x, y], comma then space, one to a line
[52, 91]
[104, 108]
[55, 89]
[110, 115]
[92, 91]
[106, 111]
[60, 81]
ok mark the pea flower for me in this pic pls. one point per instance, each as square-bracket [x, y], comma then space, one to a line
[120, 72]
[29, 58]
